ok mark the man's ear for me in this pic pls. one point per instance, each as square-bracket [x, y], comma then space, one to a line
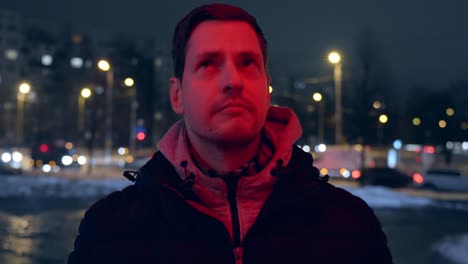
[175, 94]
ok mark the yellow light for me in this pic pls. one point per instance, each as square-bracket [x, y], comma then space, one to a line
[324, 171]
[24, 88]
[317, 97]
[449, 111]
[104, 65]
[69, 145]
[377, 104]
[416, 121]
[86, 92]
[383, 119]
[129, 82]
[270, 89]
[129, 159]
[334, 57]
[52, 163]
[442, 123]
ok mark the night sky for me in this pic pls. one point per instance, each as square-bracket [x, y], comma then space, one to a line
[420, 41]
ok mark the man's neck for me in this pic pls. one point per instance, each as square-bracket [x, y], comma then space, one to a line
[223, 157]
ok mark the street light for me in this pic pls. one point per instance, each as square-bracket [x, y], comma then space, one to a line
[129, 82]
[105, 66]
[335, 58]
[383, 119]
[85, 94]
[321, 115]
[23, 89]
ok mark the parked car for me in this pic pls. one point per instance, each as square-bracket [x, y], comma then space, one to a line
[50, 156]
[384, 176]
[441, 179]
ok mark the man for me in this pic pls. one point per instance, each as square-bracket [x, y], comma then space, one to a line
[227, 184]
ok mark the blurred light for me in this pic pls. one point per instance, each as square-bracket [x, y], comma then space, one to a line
[141, 136]
[383, 119]
[464, 126]
[158, 62]
[418, 178]
[52, 163]
[358, 147]
[158, 116]
[449, 145]
[77, 39]
[6, 157]
[76, 62]
[11, 54]
[75, 157]
[17, 157]
[104, 65]
[376, 105]
[24, 88]
[39, 163]
[412, 147]
[46, 60]
[429, 149]
[465, 146]
[129, 82]
[85, 92]
[270, 89]
[449, 111]
[306, 148]
[43, 148]
[46, 168]
[67, 160]
[129, 159]
[310, 108]
[317, 97]
[397, 144]
[121, 151]
[334, 57]
[392, 157]
[416, 121]
[356, 174]
[320, 148]
[82, 160]
[69, 145]
[442, 123]
[99, 90]
[345, 173]
[324, 171]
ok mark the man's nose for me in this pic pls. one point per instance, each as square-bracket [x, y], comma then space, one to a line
[231, 79]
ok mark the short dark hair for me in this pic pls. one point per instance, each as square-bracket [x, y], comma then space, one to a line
[223, 12]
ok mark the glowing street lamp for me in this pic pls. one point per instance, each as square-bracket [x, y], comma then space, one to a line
[129, 82]
[335, 58]
[317, 97]
[106, 67]
[84, 94]
[23, 89]
[383, 119]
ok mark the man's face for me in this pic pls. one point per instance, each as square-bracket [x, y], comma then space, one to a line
[224, 90]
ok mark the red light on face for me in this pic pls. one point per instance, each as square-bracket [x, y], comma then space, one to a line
[43, 148]
[141, 136]
[356, 174]
[418, 178]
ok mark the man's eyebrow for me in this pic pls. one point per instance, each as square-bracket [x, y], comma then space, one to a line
[251, 54]
[208, 55]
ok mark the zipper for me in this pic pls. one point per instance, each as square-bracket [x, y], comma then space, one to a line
[231, 181]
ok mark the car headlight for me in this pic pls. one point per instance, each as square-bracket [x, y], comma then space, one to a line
[46, 168]
[17, 157]
[6, 157]
[82, 160]
[67, 160]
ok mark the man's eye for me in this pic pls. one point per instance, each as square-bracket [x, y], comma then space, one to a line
[248, 62]
[205, 64]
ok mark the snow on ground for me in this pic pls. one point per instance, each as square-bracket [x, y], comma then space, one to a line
[454, 248]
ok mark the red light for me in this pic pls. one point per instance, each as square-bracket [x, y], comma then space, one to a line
[418, 178]
[429, 149]
[141, 136]
[43, 148]
[356, 174]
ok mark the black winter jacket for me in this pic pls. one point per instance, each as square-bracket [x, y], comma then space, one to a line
[305, 220]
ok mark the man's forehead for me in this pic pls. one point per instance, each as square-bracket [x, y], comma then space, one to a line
[211, 37]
